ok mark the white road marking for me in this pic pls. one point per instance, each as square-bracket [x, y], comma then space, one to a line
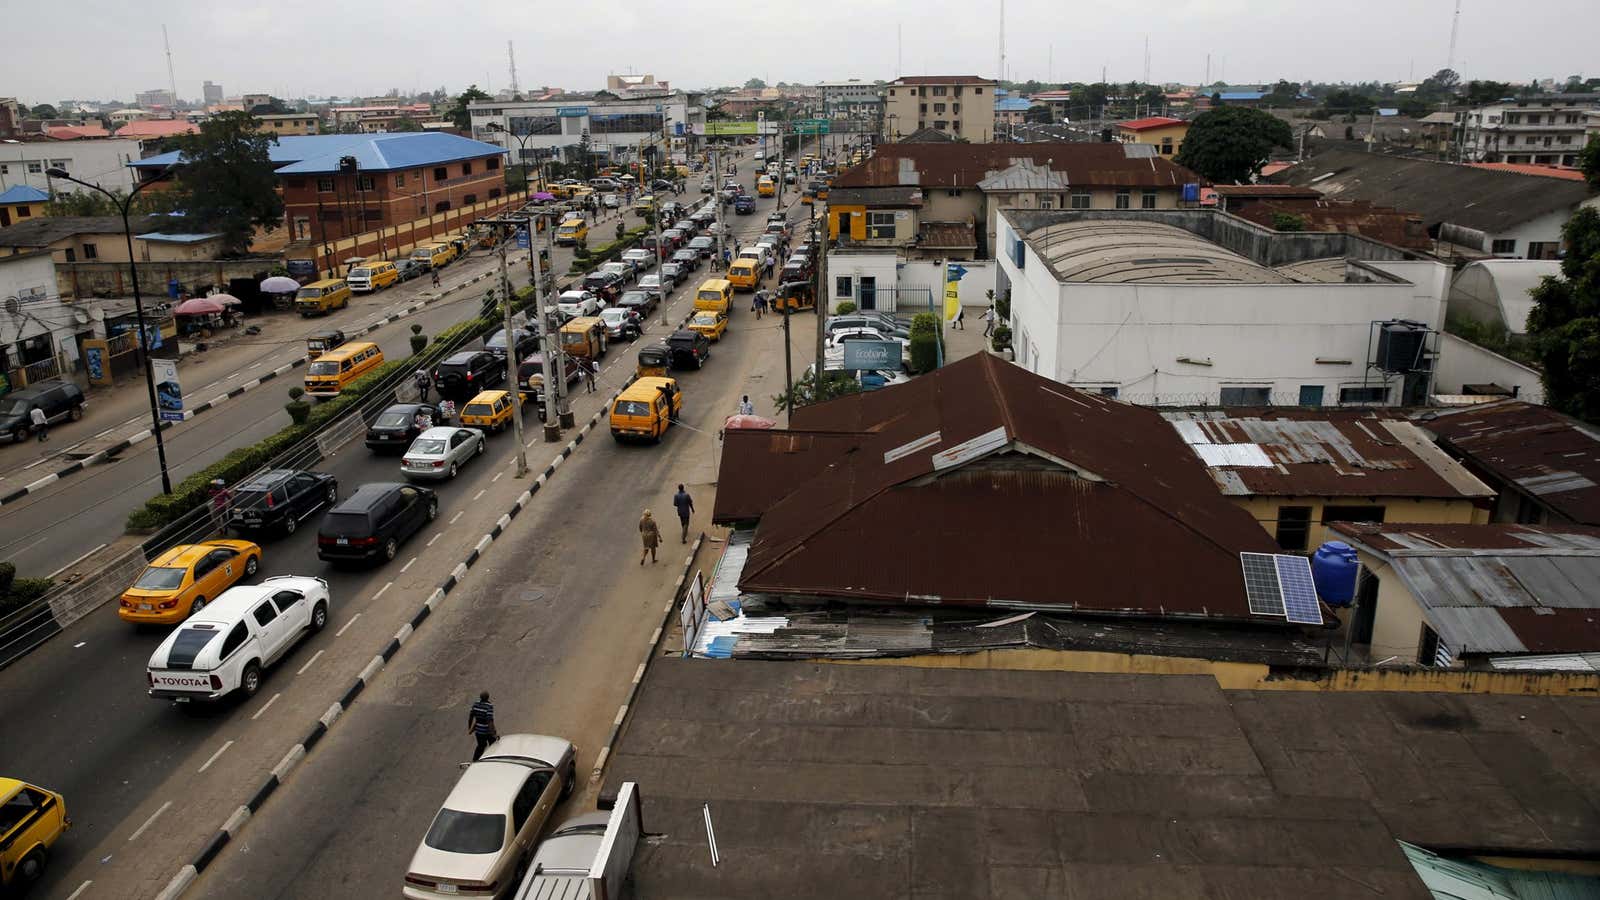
[402, 572]
[79, 644]
[387, 585]
[434, 538]
[340, 632]
[78, 560]
[496, 477]
[214, 756]
[456, 516]
[255, 366]
[107, 431]
[309, 662]
[79, 892]
[479, 495]
[265, 705]
[150, 821]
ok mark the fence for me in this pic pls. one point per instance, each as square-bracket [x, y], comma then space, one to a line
[398, 239]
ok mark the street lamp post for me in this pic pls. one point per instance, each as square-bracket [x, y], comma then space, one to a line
[138, 307]
[522, 155]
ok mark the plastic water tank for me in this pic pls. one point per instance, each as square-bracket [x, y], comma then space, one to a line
[1334, 568]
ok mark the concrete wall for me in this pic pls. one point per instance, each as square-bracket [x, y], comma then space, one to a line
[102, 162]
[1462, 362]
[1397, 621]
[105, 279]
[854, 265]
[929, 275]
[1036, 308]
[1415, 510]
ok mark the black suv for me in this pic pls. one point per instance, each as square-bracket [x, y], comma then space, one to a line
[280, 499]
[58, 399]
[606, 285]
[689, 349]
[527, 342]
[466, 373]
[396, 427]
[371, 523]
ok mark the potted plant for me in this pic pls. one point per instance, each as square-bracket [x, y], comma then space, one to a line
[418, 339]
[297, 408]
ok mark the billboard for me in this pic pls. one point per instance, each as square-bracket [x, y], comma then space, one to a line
[872, 355]
[713, 129]
[169, 393]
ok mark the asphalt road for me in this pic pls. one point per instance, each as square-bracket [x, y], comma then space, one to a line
[553, 620]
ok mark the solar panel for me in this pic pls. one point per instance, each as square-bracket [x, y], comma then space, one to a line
[1299, 591]
[1261, 584]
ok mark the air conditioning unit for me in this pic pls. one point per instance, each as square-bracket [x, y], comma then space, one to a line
[1401, 346]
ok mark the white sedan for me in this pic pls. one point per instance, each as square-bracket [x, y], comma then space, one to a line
[578, 303]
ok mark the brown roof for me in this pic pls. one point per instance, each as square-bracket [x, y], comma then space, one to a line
[1061, 501]
[1531, 449]
[942, 79]
[959, 165]
[1322, 453]
[760, 466]
[1380, 223]
[946, 235]
[1399, 536]
[876, 196]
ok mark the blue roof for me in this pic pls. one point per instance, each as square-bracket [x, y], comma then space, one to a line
[1243, 95]
[24, 194]
[319, 154]
[1013, 104]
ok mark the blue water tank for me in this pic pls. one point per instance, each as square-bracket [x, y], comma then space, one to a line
[1334, 568]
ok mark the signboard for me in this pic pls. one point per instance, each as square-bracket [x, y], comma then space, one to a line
[953, 273]
[301, 269]
[94, 359]
[569, 112]
[169, 393]
[522, 238]
[811, 126]
[872, 354]
[693, 611]
[714, 129]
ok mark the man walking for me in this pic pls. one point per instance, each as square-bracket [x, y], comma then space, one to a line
[685, 505]
[480, 724]
[650, 534]
[435, 277]
[590, 369]
[41, 423]
[746, 408]
[989, 318]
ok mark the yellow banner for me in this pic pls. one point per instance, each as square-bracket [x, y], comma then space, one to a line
[952, 291]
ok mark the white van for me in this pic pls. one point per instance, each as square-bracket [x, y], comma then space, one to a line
[223, 647]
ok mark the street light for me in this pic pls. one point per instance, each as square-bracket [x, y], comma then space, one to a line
[138, 303]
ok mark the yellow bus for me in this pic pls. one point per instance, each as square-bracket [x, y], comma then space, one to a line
[322, 297]
[333, 371]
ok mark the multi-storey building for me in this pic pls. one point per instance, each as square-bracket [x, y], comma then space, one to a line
[852, 99]
[961, 106]
[542, 129]
[1542, 130]
[211, 92]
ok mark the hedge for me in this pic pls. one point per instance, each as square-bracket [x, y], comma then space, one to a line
[924, 343]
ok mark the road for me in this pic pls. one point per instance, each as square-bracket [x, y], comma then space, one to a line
[553, 620]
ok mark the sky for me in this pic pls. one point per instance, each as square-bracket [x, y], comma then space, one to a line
[104, 50]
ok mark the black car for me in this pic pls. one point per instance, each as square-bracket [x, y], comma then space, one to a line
[464, 374]
[396, 427]
[606, 285]
[663, 185]
[59, 400]
[689, 349]
[280, 499]
[643, 302]
[372, 523]
[689, 258]
[744, 204]
[527, 342]
[408, 268]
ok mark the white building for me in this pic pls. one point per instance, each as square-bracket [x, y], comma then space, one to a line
[1544, 130]
[1153, 308]
[616, 128]
[852, 99]
[38, 331]
[102, 162]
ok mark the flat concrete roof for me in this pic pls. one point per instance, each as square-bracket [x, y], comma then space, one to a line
[839, 781]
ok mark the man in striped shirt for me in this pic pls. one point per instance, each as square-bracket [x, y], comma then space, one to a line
[480, 724]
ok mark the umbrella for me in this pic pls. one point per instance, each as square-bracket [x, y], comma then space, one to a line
[543, 195]
[744, 421]
[224, 299]
[278, 284]
[198, 306]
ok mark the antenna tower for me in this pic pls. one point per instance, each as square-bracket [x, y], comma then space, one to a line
[511, 55]
[1455, 26]
[172, 80]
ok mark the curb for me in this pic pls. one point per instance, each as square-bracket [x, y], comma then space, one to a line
[236, 821]
[650, 654]
[214, 402]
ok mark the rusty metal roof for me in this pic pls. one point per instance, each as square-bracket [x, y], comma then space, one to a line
[759, 466]
[982, 484]
[1532, 449]
[962, 165]
[1380, 223]
[1322, 453]
[946, 235]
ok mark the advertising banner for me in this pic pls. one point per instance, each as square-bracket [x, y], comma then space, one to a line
[953, 273]
[169, 393]
[872, 355]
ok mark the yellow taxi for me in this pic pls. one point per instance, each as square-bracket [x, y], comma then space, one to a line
[572, 231]
[645, 204]
[765, 186]
[646, 409]
[709, 324]
[490, 410]
[183, 579]
[32, 819]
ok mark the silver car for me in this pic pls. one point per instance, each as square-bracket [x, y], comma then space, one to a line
[440, 451]
[565, 857]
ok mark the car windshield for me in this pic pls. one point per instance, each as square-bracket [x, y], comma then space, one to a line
[323, 368]
[454, 831]
[309, 293]
[392, 420]
[632, 408]
[16, 408]
[474, 409]
[612, 316]
[160, 578]
[705, 319]
[345, 523]
[432, 445]
[360, 273]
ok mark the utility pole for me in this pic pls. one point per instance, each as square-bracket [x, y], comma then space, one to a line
[716, 199]
[821, 299]
[172, 80]
[554, 352]
[780, 165]
[511, 346]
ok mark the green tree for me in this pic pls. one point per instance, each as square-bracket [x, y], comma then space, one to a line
[755, 84]
[1284, 93]
[459, 115]
[405, 123]
[226, 180]
[1589, 162]
[1481, 92]
[1565, 322]
[1153, 99]
[94, 203]
[1347, 103]
[806, 392]
[44, 111]
[1039, 115]
[1230, 144]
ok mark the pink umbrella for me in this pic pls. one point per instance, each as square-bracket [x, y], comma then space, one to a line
[197, 306]
[744, 421]
[225, 299]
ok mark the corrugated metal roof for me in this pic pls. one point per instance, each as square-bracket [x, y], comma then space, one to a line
[319, 154]
[1534, 448]
[1131, 251]
[22, 193]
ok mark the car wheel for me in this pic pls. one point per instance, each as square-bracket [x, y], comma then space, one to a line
[333, 494]
[198, 604]
[390, 548]
[290, 525]
[319, 617]
[253, 564]
[433, 510]
[250, 680]
[76, 413]
[20, 434]
[572, 778]
[454, 468]
[31, 868]
[482, 446]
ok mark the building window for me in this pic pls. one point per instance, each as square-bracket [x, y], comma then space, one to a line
[324, 185]
[939, 91]
[1511, 139]
[1166, 146]
[72, 256]
[923, 108]
[1080, 200]
[1294, 527]
[1047, 201]
[977, 90]
[493, 193]
[1331, 514]
[1430, 650]
[842, 286]
[938, 108]
[441, 206]
[1124, 198]
[35, 168]
[1310, 395]
[400, 180]
[466, 168]
[955, 108]
[365, 183]
[880, 225]
[1364, 396]
[1544, 249]
[90, 252]
[1564, 139]
[1147, 200]
[440, 173]
[1246, 396]
[492, 163]
[940, 124]
[1505, 247]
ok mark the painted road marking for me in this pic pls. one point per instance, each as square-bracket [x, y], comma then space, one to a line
[265, 705]
[389, 584]
[434, 538]
[150, 821]
[496, 477]
[405, 567]
[309, 662]
[456, 516]
[78, 560]
[79, 645]
[479, 495]
[340, 632]
[79, 892]
[214, 756]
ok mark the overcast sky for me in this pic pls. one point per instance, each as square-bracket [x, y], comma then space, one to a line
[294, 48]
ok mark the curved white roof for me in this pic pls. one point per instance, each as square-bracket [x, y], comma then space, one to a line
[1496, 290]
[1127, 250]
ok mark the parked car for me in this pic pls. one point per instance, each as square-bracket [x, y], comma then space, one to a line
[59, 400]
[856, 320]
[226, 647]
[627, 268]
[663, 186]
[641, 302]
[396, 427]
[183, 579]
[578, 303]
[371, 523]
[280, 499]
[688, 257]
[651, 284]
[845, 335]
[689, 349]
[566, 856]
[527, 342]
[491, 819]
[466, 372]
[604, 286]
[673, 273]
[703, 245]
[621, 323]
[408, 268]
[441, 451]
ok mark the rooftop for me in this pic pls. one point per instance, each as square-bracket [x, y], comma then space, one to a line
[43, 232]
[1322, 453]
[1483, 199]
[1527, 169]
[962, 165]
[1493, 589]
[1013, 104]
[1250, 191]
[318, 154]
[942, 79]
[1550, 457]
[891, 782]
[156, 128]
[1380, 223]
[1131, 251]
[22, 193]
[1150, 122]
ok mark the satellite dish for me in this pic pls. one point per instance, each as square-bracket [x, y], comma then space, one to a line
[13, 305]
[80, 317]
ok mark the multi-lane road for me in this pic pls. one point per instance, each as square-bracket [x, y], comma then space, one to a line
[553, 620]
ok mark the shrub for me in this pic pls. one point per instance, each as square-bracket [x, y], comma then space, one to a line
[844, 308]
[419, 342]
[925, 339]
[297, 408]
[8, 573]
[1001, 339]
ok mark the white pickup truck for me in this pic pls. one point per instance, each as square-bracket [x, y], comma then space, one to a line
[225, 646]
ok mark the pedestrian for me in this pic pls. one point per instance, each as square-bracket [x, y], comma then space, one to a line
[423, 382]
[651, 535]
[746, 408]
[989, 317]
[480, 724]
[591, 368]
[685, 505]
[760, 303]
[435, 277]
[221, 497]
[41, 423]
[956, 322]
